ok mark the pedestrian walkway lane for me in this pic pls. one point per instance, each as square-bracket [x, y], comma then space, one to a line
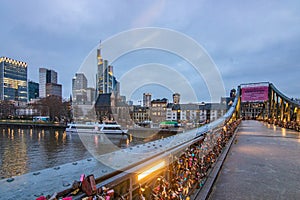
[263, 163]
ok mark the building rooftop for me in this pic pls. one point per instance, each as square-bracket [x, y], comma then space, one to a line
[164, 100]
[103, 100]
[13, 61]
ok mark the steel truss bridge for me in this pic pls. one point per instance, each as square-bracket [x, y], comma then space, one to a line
[283, 111]
[175, 167]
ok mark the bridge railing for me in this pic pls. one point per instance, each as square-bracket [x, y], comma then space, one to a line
[173, 167]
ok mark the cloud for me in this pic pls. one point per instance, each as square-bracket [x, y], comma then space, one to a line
[148, 16]
[239, 36]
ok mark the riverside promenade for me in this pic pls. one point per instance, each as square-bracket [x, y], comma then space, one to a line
[263, 163]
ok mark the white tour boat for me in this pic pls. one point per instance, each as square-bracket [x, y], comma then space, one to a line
[76, 127]
[111, 128]
[96, 128]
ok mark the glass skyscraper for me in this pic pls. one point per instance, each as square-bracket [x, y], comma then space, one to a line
[106, 81]
[13, 80]
[33, 90]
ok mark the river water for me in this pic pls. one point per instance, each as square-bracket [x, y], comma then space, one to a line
[32, 149]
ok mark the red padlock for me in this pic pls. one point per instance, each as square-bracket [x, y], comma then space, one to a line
[93, 183]
[41, 198]
[88, 185]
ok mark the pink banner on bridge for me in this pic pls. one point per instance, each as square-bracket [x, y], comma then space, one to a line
[255, 93]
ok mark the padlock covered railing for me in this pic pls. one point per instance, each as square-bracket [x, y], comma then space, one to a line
[173, 167]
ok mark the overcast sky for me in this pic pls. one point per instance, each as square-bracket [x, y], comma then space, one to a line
[249, 41]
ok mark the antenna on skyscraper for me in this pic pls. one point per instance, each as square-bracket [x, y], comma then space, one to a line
[99, 56]
[99, 49]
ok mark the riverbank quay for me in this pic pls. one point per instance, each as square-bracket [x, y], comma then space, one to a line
[28, 124]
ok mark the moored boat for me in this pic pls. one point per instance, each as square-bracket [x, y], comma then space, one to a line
[79, 127]
[111, 128]
[96, 128]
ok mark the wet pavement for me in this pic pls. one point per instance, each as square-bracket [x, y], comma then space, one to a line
[263, 163]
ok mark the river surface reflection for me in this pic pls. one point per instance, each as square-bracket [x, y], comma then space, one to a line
[27, 150]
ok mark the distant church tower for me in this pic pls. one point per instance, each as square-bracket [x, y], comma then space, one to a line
[176, 98]
[146, 99]
[233, 93]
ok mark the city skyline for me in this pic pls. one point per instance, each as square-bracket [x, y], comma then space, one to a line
[249, 42]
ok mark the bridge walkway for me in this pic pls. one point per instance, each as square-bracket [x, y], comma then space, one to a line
[263, 163]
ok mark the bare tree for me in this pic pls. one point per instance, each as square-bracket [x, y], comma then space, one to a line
[7, 109]
[51, 106]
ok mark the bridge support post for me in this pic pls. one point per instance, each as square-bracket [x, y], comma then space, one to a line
[271, 113]
[237, 113]
[288, 112]
[277, 108]
[281, 109]
[297, 110]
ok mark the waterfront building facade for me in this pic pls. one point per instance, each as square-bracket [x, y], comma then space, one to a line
[187, 114]
[158, 110]
[140, 115]
[194, 114]
[13, 80]
[212, 111]
[173, 112]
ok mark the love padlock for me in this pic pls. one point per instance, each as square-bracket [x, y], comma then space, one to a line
[88, 185]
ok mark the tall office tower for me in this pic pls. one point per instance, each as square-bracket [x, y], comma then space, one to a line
[106, 81]
[13, 80]
[146, 99]
[79, 88]
[48, 77]
[53, 89]
[33, 90]
[176, 98]
[90, 94]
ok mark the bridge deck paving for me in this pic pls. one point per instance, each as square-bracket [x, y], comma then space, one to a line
[263, 163]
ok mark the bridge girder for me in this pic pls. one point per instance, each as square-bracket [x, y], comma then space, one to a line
[281, 108]
[278, 109]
